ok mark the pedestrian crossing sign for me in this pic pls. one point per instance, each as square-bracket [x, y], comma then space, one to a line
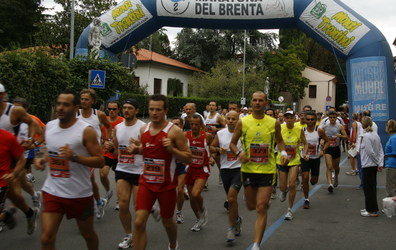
[97, 79]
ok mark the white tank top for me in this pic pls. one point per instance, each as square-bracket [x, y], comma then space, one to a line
[93, 120]
[127, 162]
[65, 178]
[5, 119]
[313, 143]
[211, 121]
[331, 132]
[228, 160]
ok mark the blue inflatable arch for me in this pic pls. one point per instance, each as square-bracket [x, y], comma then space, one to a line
[370, 72]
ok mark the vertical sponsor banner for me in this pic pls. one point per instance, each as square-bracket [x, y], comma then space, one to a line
[223, 9]
[121, 20]
[369, 86]
[335, 24]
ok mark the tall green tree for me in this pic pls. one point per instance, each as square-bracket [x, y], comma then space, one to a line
[203, 48]
[157, 42]
[18, 20]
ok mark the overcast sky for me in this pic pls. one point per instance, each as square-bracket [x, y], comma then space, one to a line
[381, 13]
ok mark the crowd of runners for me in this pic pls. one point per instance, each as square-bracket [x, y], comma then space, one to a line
[160, 164]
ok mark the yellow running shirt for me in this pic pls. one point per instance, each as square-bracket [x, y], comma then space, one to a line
[292, 139]
[258, 138]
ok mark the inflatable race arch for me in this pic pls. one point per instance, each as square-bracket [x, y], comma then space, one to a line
[370, 70]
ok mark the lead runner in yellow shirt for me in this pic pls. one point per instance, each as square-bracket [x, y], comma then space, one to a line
[258, 134]
[293, 136]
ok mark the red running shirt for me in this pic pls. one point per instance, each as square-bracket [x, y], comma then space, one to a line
[9, 150]
[199, 150]
[112, 124]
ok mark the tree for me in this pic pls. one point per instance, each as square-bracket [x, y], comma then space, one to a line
[225, 80]
[18, 19]
[39, 78]
[55, 29]
[157, 42]
[203, 48]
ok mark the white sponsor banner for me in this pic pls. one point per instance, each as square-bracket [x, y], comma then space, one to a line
[226, 9]
[335, 24]
[121, 20]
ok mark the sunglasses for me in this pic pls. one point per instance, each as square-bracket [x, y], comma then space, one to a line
[112, 109]
[310, 119]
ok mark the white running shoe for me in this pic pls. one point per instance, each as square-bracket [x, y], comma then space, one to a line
[176, 248]
[100, 211]
[282, 196]
[179, 218]
[36, 198]
[289, 214]
[30, 178]
[238, 226]
[126, 242]
[255, 246]
[117, 207]
[108, 195]
[155, 212]
[196, 227]
[32, 221]
[203, 220]
[230, 234]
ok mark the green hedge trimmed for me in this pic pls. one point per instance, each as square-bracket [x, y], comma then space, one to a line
[175, 103]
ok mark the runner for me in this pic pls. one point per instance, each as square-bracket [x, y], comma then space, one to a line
[11, 118]
[230, 173]
[198, 170]
[334, 132]
[129, 166]
[293, 137]
[313, 135]
[244, 112]
[10, 150]
[259, 134]
[73, 149]
[190, 110]
[111, 159]
[95, 118]
[161, 143]
[356, 130]
[233, 106]
[182, 192]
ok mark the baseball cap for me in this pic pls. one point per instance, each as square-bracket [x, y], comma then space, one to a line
[289, 112]
[2, 89]
[245, 108]
[133, 102]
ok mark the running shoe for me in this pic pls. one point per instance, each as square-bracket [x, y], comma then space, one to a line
[273, 194]
[196, 227]
[30, 178]
[206, 187]
[289, 214]
[10, 220]
[255, 246]
[36, 198]
[203, 220]
[32, 221]
[306, 204]
[230, 234]
[186, 196]
[155, 212]
[126, 242]
[176, 248]
[283, 195]
[238, 226]
[226, 205]
[352, 172]
[335, 181]
[100, 211]
[117, 206]
[179, 218]
[330, 188]
[108, 195]
[365, 213]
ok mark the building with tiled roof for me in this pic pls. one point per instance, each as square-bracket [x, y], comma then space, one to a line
[154, 71]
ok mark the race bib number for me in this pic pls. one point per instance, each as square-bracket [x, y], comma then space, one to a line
[333, 141]
[59, 167]
[231, 156]
[210, 128]
[198, 155]
[291, 151]
[154, 170]
[124, 156]
[259, 153]
[312, 149]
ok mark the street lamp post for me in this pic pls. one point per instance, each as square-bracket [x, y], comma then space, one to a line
[72, 31]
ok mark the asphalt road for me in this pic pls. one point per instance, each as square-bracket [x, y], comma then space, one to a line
[333, 222]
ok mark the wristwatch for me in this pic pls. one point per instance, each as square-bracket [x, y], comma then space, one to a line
[74, 158]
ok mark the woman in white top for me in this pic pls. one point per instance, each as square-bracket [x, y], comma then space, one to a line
[372, 157]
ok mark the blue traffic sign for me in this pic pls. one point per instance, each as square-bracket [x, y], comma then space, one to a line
[97, 79]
